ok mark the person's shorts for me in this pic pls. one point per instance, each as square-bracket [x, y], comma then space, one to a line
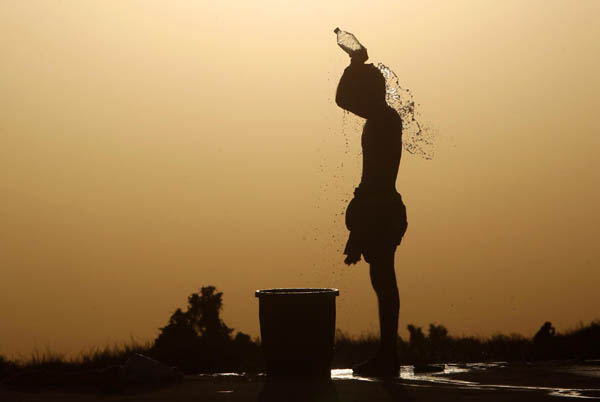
[377, 223]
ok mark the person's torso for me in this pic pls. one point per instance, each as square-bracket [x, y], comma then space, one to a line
[382, 149]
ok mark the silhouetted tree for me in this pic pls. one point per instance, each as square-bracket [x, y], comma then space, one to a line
[203, 311]
[198, 340]
[417, 337]
[416, 344]
[437, 333]
[438, 342]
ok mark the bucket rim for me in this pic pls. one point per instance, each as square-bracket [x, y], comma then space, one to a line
[296, 291]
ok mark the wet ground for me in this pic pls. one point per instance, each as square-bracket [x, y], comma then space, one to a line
[551, 381]
[555, 379]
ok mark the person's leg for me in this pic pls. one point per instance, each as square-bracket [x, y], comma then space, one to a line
[383, 279]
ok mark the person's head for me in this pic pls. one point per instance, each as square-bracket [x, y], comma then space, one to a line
[361, 90]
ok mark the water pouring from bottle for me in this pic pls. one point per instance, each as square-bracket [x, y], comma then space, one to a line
[417, 139]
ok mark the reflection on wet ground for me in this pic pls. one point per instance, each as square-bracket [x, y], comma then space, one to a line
[407, 375]
[445, 379]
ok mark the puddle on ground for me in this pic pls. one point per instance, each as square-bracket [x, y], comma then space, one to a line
[408, 375]
[410, 378]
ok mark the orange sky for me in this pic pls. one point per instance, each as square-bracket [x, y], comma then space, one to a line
[148, 148]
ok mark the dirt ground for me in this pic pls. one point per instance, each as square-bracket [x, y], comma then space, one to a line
[517, 383]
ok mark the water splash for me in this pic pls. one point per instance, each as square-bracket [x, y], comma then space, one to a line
[416, 138]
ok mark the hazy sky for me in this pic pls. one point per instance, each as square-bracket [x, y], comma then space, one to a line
[148, 148]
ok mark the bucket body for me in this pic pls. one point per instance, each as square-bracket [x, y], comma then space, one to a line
[297, 328]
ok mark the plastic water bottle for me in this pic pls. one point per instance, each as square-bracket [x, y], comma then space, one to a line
[351, 45]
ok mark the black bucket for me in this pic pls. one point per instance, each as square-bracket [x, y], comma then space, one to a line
[297, 328]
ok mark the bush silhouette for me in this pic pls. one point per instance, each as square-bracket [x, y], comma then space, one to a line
[437, 333]
[7, 367]
[417, 338]
[197, 340]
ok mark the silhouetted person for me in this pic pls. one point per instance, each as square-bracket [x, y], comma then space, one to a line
[376, 217]
[545, 333]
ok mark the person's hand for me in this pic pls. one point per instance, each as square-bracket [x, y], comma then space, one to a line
[359, 57]
[352, 259]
